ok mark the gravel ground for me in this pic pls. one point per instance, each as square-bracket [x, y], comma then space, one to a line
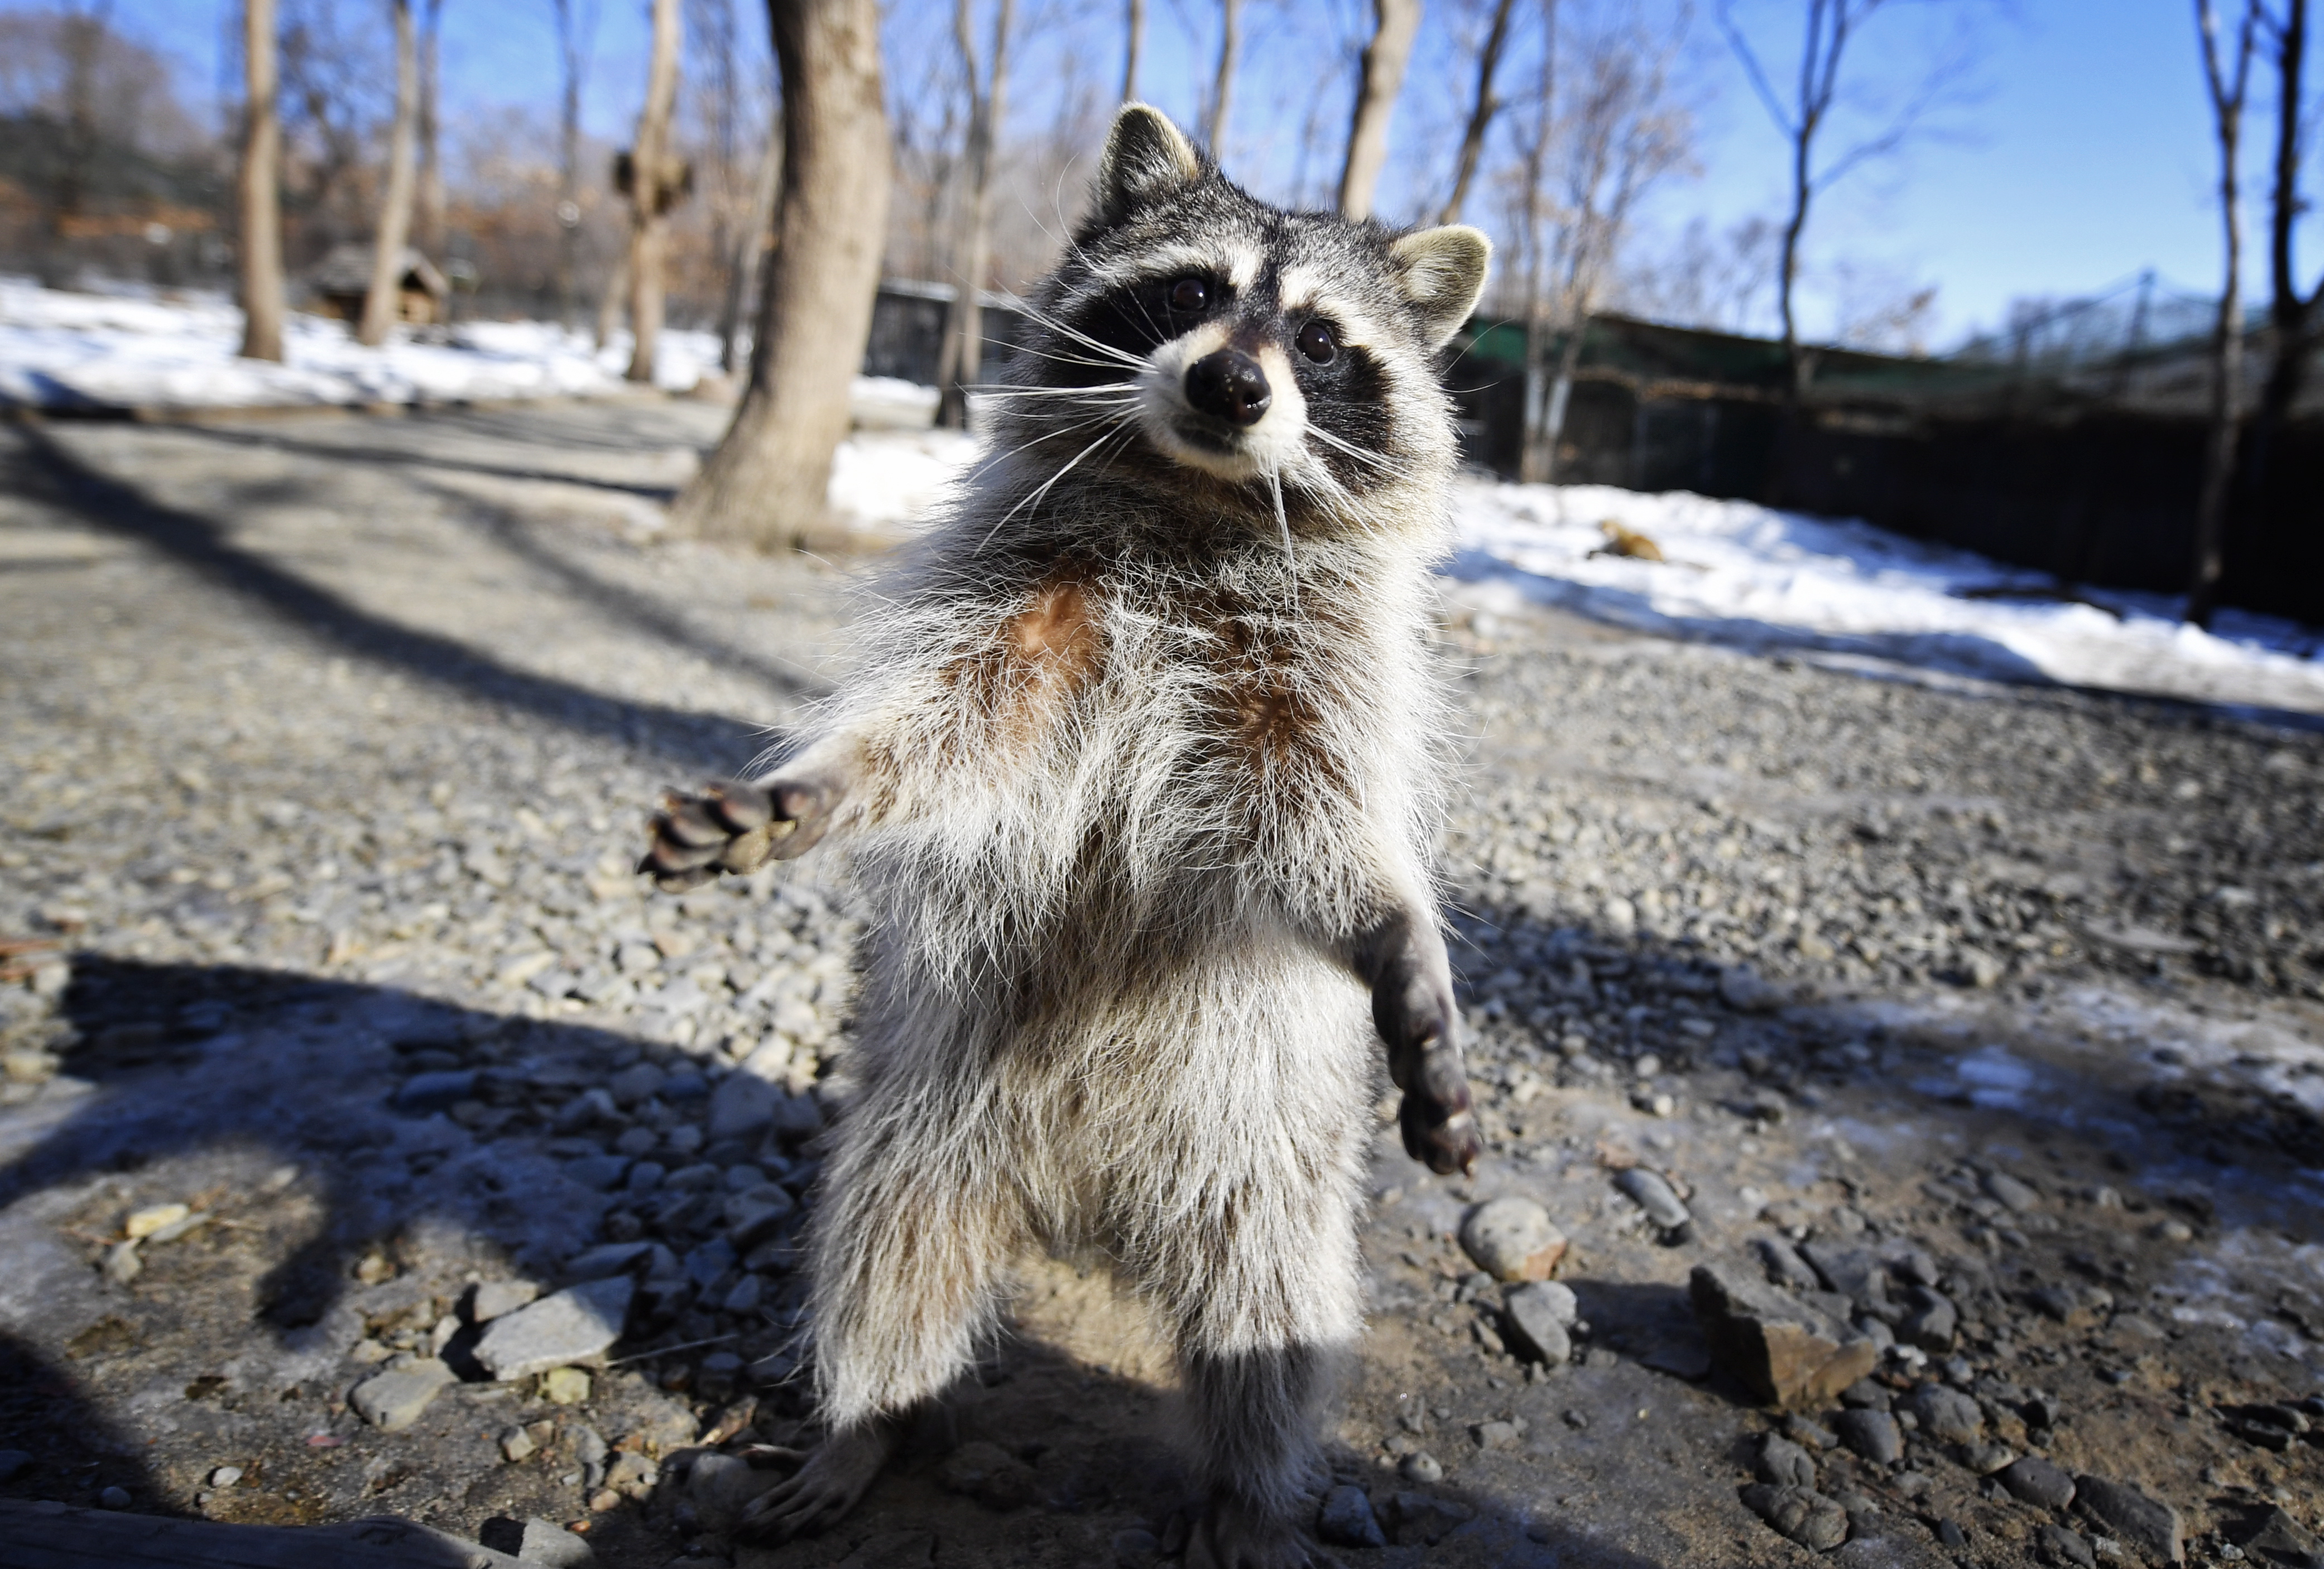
[1986, 1018]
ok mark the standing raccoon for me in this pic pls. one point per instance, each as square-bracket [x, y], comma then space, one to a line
[1139, 780]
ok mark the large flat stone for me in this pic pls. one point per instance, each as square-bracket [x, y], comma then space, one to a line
[1785, 1351]
[2145, 1522]
[573, 1325]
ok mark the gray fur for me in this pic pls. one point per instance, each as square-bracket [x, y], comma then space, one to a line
[1139, 780]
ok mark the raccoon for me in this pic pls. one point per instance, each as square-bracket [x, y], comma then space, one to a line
[1137, 784]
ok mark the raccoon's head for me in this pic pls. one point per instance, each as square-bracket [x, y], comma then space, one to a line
[1195, 331]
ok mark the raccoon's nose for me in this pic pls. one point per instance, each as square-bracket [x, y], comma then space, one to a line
[1228, 385]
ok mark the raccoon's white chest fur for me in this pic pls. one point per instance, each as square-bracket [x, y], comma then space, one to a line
[1139, 762]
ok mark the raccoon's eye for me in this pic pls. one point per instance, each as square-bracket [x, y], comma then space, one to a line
[1189, 294]
[1316, 342]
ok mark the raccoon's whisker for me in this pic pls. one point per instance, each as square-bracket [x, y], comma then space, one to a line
[988, 464]
[1110, 365]
[1035, 499]
[1000, 390]
[1076, 335]
[1384, 465]
[1283, 521]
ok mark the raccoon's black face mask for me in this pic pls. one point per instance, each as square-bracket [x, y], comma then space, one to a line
[1201, 329]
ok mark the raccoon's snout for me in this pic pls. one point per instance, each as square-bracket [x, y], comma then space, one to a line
[1228, 385]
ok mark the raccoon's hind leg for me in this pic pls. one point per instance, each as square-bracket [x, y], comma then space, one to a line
[916, 1225]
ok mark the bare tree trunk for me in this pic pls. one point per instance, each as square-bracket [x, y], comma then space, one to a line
[654, 186]
[1481, 112]
[750, 246]
[427, 227]
[2291, 314]
[1535, 459]
[1395, 22]
[259, 255]
[963, 355]
[2228, 83]
[766, 485]
[1561, 395]
[610, 304]
[380, 300]
[572, 50]
[1222, 86]
[1136, 48]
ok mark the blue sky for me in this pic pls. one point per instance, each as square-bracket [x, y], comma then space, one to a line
[2084, 158]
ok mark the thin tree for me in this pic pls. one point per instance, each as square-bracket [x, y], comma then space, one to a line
[576, 26]
[2226, 77]
[1137, 47]
[1535, 459]
[1481, 110]
[766, 483]
[380, 300]
[1395, 24]
[1803, 116]
[710, 31]
[2292, 316]
[962, 356]
[751, 245]
[1223, 85]
[657, 180]
[1625, 134]
[427, 223]
[258, 256]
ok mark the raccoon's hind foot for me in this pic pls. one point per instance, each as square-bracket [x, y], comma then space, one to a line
[1236, 1533]
[822, 1492]
[733, 827]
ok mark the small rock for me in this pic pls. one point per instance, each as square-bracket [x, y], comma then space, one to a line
[988, 1474]
[1651, 1192]
[1422, 1467]
[2035, 1481]
[122, 1264]
[1854, 1273]
[547, 1542]
[607, 1260]
[392, 1400]
[1346, 1520]
[1537, 1318]
[1512, 1239]
[1784, 1464]
[1786, 1352]
[516, 1445]
[1931, 1320]
[1947, 1416]
[144, 1223]
[2275, 1539]
[1494, 1434]
[1874, 1435]
[1784, 1265]
[2062, 1546]
[1985, 1459]
[1802, 1514]
[742, 1105]
[1423, 1520]
[564, 1386]
[1803, 1431]
[222, 1476]
[433, 1092]
[2011, 1193]
[2149, 1522]
[114, 1497]
[497, 1299]
[1950, 1534]
[572, 1326]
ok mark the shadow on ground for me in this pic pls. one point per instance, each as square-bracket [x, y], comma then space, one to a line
[45, 470]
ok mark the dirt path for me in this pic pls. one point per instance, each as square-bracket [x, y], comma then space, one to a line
[2001, 998]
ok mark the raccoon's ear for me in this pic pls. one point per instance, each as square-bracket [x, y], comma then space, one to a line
[1443, 272]
[1145, 158]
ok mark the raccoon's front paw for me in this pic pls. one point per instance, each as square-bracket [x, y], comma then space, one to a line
[733, 827]
[1437, 1118]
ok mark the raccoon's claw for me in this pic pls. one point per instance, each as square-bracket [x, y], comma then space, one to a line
[732, 828]
[1441, 1133]
[823, 1491]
